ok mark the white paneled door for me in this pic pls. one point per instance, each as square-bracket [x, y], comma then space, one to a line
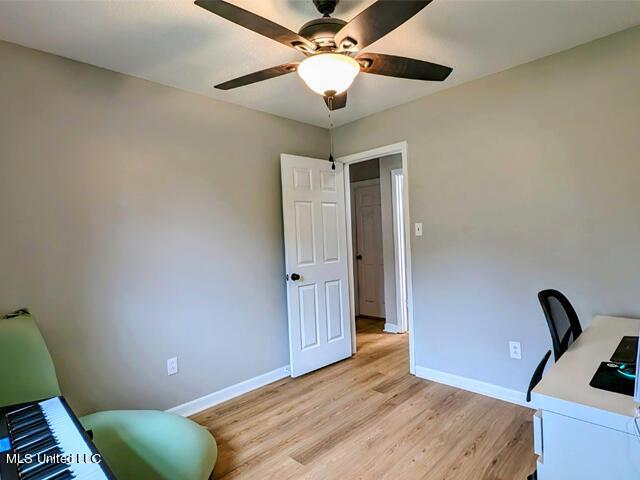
[369, 257]
[315, 240]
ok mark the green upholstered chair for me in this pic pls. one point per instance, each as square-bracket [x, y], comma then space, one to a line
[137, 444]
[152, 444]
[26, 369]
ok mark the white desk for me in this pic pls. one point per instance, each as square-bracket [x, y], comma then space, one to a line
[581, 432]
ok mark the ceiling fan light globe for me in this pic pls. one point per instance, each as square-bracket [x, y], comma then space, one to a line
[328, 72]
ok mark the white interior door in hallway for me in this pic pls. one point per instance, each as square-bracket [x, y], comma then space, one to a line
[369, 254]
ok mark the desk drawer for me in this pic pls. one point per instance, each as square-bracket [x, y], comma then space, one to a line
[574, 449]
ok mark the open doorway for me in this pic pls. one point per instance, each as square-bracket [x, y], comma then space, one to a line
[377, 217]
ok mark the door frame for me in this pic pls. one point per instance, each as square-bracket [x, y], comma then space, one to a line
[399, 252]
[352, 198]
[384, 151]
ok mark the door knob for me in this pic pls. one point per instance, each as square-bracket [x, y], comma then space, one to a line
[295, 277]
[358, 257]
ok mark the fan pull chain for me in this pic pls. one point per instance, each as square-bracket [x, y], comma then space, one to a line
[331, 159]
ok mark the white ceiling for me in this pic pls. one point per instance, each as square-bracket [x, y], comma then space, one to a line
[179, 44]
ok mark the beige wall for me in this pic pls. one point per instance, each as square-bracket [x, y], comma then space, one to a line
[139, 223]
[524, 180]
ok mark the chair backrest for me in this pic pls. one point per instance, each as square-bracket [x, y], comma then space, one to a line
[562, 319]
[27, 372]
[537, 374]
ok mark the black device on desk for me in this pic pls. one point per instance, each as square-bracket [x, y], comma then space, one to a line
[619, 374]
[45, 441]
[627, 351]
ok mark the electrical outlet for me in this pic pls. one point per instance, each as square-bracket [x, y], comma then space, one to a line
[515, 350]
[418, 229]
[172, 366]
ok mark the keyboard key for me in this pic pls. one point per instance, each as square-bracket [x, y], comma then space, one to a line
[36, 430]
[31, 440]
[40, 447]
[48, 470]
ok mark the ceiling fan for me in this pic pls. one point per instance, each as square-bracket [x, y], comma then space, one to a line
[333, 47]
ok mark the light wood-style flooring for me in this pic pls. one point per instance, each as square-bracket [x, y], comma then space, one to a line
[367, 418]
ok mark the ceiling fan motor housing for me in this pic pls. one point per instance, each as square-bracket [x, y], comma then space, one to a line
[322, 31]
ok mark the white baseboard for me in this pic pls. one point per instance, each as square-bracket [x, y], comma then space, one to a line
[212, 399]
[475, 386]
[391, 328]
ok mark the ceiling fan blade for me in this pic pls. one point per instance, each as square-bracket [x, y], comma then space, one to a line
[375, 22]
[339, 101]
[258, 76]
[256, 23]
[402, 67]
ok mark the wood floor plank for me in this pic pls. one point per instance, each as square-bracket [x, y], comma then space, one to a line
[337, 437]
[367, 418]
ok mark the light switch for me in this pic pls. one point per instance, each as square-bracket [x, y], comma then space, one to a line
[418, 229]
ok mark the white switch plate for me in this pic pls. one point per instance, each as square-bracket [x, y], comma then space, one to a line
[515, 351]
[418, 229]
[172, 366]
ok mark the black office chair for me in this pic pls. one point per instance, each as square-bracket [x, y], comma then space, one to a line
[562, 319]
[564, 327]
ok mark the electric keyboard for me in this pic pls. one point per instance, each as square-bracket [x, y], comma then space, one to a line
[45, 441]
